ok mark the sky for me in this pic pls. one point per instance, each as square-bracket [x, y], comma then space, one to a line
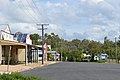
[70, 19]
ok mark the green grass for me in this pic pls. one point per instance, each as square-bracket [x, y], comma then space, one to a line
[101, 61]
[110, 63]
[18, 76]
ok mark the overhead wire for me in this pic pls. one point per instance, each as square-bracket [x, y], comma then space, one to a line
[44, 17]
[37, 11]
[28, 12]
[34, 11]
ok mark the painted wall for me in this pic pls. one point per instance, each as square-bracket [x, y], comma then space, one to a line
[5, 34]
[21, 54]
[28, 40]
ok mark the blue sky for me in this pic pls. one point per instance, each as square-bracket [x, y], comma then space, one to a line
[82, 19]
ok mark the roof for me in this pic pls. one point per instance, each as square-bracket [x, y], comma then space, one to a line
[53, 52]
[20, 37]
[7, 42]
[103, 54]
[5, 28]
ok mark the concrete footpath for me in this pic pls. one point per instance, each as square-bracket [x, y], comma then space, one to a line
[22, 67]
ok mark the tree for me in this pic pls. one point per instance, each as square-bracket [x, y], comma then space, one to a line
[118, 49]
[108, 46]
[74, 49]
[36, 39]
[94, 48]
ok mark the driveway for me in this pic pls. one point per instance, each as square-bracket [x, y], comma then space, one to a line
[77, 71]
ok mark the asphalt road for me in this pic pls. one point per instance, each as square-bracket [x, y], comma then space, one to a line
[77, 71]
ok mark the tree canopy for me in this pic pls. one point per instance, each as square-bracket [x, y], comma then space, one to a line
[73, 50]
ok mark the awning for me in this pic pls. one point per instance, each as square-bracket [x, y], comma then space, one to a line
[7, 42]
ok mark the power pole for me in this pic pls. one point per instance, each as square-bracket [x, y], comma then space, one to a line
[42, 39]
[9, 58]
[116, 49]
[61, 49]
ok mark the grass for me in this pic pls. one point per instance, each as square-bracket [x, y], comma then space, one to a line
[110, 62]
[18, 76]
[101, 61]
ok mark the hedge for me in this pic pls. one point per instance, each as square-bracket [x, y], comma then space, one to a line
[18, 76]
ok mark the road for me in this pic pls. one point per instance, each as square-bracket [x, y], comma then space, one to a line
[77, 71]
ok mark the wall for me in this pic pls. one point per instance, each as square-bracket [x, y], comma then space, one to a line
[21, 55]
[28, 40]
[7, 36]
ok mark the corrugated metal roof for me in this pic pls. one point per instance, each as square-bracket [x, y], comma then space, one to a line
[7, 42]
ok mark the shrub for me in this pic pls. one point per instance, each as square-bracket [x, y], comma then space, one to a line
[17, 76]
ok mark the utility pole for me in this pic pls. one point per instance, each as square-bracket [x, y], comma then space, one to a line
[9, 58]
[116, 49]
[61, 49]
[56, 51]
[42, 39]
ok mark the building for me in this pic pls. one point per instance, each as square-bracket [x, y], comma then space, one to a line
[32, 49]
[25, 38]
[12, 50]
[46, 48]
[103, 57]
[55, 55]
[5, 33]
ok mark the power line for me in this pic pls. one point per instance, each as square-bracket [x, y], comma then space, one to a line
[36, 8]
[33, 10]
[27, 13]
[38, 12]
[47, 20]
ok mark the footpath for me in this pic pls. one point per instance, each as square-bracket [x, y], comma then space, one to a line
[22, 67]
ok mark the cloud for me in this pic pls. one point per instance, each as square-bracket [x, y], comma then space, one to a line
[23, 27]
[92, 19]
[33, 28]
[98, 32]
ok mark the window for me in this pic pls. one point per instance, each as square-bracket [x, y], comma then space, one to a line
[40, 55]
[3, 51]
